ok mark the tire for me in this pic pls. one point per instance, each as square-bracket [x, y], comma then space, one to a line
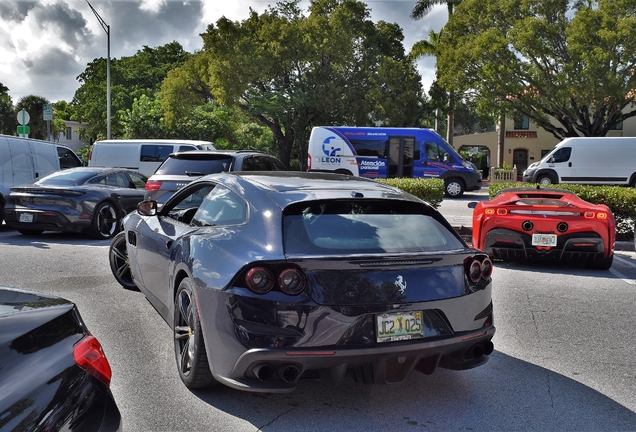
[30, 232]
[546, 179]
[453, 188]
[602, 264]
[119, 262]
[105, 223]
[189, 347]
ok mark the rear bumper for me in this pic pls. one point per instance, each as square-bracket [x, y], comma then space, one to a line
[507, 244]
[44, 221]
[278, 370]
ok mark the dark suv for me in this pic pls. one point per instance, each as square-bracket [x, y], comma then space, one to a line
[181, 168]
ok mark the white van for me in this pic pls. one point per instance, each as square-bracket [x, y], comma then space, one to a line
[23, 159]
[143, 155]
[593, 161]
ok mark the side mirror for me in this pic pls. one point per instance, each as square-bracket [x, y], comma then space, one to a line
[147, 208]
[472, 204]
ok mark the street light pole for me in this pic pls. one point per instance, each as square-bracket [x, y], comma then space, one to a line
[106, 28]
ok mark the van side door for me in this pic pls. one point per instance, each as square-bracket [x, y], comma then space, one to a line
[45, 159]
[400, 156]
[20, 154]
[67, 158]
[562, 163]
[435, 160]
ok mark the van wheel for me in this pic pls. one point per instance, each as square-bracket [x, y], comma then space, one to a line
[546, 179]
[454, 188]
[105, 223]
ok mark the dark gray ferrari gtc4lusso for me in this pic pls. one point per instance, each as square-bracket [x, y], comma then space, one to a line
[267, 278]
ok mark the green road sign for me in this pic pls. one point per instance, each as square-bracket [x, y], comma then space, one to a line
[24, 130]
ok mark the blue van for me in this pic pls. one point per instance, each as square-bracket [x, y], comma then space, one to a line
[379, 152]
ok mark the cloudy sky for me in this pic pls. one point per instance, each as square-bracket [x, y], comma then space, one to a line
[46, 44]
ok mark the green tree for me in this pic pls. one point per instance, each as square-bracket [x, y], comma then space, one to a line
[290, 71]
[144, 120]
[569, 66]
[131, 78]
[8, 120]
[34, 105]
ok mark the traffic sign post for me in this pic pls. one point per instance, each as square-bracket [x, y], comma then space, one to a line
[47, 111]
[23, 119]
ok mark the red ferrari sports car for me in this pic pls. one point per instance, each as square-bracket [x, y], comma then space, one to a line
[555, 224]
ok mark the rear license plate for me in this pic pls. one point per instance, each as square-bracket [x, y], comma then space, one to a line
[544, 239]
[25, 217]
[394, 326]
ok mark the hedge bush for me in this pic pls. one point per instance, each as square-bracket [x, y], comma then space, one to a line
[621, 201]
[430, 190]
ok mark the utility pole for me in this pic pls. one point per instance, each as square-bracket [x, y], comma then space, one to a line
[106, 28]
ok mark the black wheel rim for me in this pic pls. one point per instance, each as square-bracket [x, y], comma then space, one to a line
[184, 332]
[106, 220]
[120, 262]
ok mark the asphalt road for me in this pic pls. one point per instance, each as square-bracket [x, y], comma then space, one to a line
[564, 355]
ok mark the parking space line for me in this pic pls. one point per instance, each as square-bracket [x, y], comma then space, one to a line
[622, 276]
[624, 261]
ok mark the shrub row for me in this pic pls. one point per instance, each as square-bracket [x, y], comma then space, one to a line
[621, 201]
[430, 190]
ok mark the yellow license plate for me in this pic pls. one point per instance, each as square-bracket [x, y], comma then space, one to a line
[395, 326]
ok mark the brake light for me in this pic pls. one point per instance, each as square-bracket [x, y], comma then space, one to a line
[489, 212]
[153, 185]
[601, 215]
[502, 211]
[477, 268]
[308, 161]
[589, 215]
[289, 280]
[89, 355]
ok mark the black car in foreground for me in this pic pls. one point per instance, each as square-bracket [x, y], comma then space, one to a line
[268, 278]
[53, 372]
[92, 200]
[180, 168]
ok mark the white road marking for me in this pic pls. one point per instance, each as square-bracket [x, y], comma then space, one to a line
[624, 261]
[622, 276]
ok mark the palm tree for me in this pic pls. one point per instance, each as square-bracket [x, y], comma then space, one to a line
[420, 10]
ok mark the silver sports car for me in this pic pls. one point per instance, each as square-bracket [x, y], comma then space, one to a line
[268, 278]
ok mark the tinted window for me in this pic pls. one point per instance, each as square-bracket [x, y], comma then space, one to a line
[67, 178]
[186, 148]
[220, 207]
[177, 166]
[68, 159]
[138, 180]
[350, 227]
[155, 153]
[375, 148]
[562, 154]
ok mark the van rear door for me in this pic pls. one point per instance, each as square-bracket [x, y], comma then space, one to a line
[23, 171]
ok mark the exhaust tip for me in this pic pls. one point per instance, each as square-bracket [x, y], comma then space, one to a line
[527, 225]
[562, 227]
[478, 351]
[288, 373]
[489, 347]
[263, 372]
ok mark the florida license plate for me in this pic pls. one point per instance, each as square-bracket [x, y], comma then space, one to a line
[544, 239]
[395, 326]
[26, 217]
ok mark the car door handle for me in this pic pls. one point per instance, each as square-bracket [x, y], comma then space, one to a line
[570, 164]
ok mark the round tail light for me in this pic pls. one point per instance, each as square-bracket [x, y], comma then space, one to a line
[259, 280]
[486, 268]
[474, 271]
[291, 281]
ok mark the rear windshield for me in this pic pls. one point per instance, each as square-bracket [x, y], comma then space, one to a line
[175, 166]
[67, 178]
[369, 226]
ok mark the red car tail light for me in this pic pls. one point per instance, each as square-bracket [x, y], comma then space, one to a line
[291, 281]
[589, 215]
[89, 355]
[153, 185]
[259, 280]
[502, 211]
[601, 215]
[489, 211]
